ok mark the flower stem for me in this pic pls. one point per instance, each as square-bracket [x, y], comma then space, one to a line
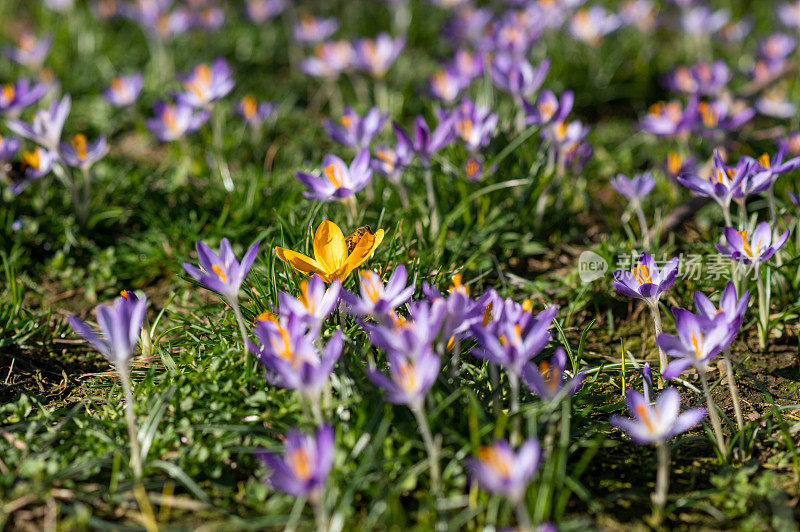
[523, 516]
[434, 227]
[317, 501]
[742, 214]
[726, 214]
[737, 407]
[662, 479]
[513, 381]
[763, 308]
[714, 415]
[130, 418]
[494, 380]
[427, 438]
[243, 330]
[643, 227]
[772, 210]
[662, 357]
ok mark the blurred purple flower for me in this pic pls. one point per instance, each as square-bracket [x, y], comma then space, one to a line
[14, 97]
[591, 24]
[29, 51]
[425, 143]
[646, 281]
[330, 59]
[252, 112]
[304, 468]
[174, 120]
[755, 249]
[47, 124]
[377, 55]
[659, 422]
[500, 470]
[79, 153]
[311, 30]
[338, 181]
[548, 108]
[36, 164]
[354, 131]
[547, 380]
[260, 11]
[409, 378]
[221, 272]
[207, 84]
[124, 90]
[120, 324]
[473, 124]
[634, 188]
[517, 76]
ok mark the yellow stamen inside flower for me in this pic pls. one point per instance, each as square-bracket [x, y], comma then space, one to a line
[674, 162]
[221, 274]
[168, 117]
[547, 375]
[642, 274]
[487, 315]
[9, 92]
[346, 121]
[441, 81]
[26, 42]
[547, 110]
[496, 460]
[673, 112]
[698, 344]
[710, 118]
[334, 174]
[200, 82]
[745, 243]
[641, 412]
[527, 305]
[124, 293]
[373, 289]
[473, 167]
[79, 144]
[464, 128]
[764, 160]
[267, 316]
[249, 107]
[307, 302]
[561, 131]
[298, 462]
[456, 285]
[31, 158]
[406, 377]
[516, 338]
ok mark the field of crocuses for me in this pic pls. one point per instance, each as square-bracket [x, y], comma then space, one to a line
[399, 264]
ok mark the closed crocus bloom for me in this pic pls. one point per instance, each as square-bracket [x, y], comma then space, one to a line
[590, 25]
[409, 337]
[222, 272]
[47, 124]
[206, 84]
[461, 312]
[314, 303]
[474, 124]
[516, 76]
[377, 55]
[330, 59]
[174, 120]
[14, 97]
[447, 84]
[500, 470]
[353, 130]
[777, 47]
[81, 153]
[376, 299]
[120, 324]
[659, 422]
[699, 341]
[288, 352]
[334, 256]
[548, 108]
[409, 378]
[730, 306]
[548, 380]
[758, 247]
[305, 465]
[426, 143]
[646, 281]
[338, 181]
[634, 188]
[311, 30]
[124, 90]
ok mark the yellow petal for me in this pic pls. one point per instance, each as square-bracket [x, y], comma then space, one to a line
[297, 260]
[330, 249]
[361, 253]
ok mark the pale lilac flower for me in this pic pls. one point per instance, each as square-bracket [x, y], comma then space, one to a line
[354, 131]
[9, 147]
[120, 324]
[207, 84]
[304, 468]
[548, 108]
[409, 378]
[426, 143]
[338, 181]
[474, 125]
[29, 51]
[670, 118]
[659, 422]
[775, 103]
[754, 249]
[698, 342]
[547, 380]
[391, 162]
[500, 470]
[777, 47]
[260, 11]
[14, 97]
[517, 76]
[36, 164]
[329, 60]
[311, 30]
[591, 24]
[47, 124]
[447, 84]
[377, 55]
[789, 14]
[467, 24]
[375, 298]
[80, 153]
[252, 112]
[314, 303]
[634, 188]
[701, 20]
[221, 272]
[700, 78]
[124, 90]
[639, 13]
[646, 281]
[174, 120]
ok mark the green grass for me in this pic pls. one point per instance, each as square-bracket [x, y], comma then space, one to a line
[63, 445]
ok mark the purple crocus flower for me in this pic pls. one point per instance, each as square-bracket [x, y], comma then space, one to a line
[37, 164]
[473, 124]
[790, 143]
[315, 302]
[425, 143]
[447, 84]
[124, 90]
[79, 153]
[548, 380]
[724, 115]
[701, 20]
[354, 131]
[221, 272]
[260, 11]
[513, 35]
[408, 337]
[567, 139]
[409, 378]
[377, 299]
[120, 324]
[461, 312]
[659, 422]
[391, 162]
[775, 104]
[513, 345]
[473, 168]
[789, 14]
[377, 55]
[755, 249]
[699, 341]
[14, 97]
[252, 112]
[639, 13]
[207, 84]
[700, 78]
[9, 147]
[338, 181]
[646, 281]
[501, 470]
[304, 468]
[29, 51]
[777, 47]
[287, 351]
[722, 182]
[47, 124]
[634, 188]
[312, 30]
[467, 24]
[590, 25]
[156, 19]
[329, 60]
[516, 76]
[467, 64]
[174, 120]
[766, 169]
[670, 118]
[548, 108]
[209, 18]
[730, 306]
